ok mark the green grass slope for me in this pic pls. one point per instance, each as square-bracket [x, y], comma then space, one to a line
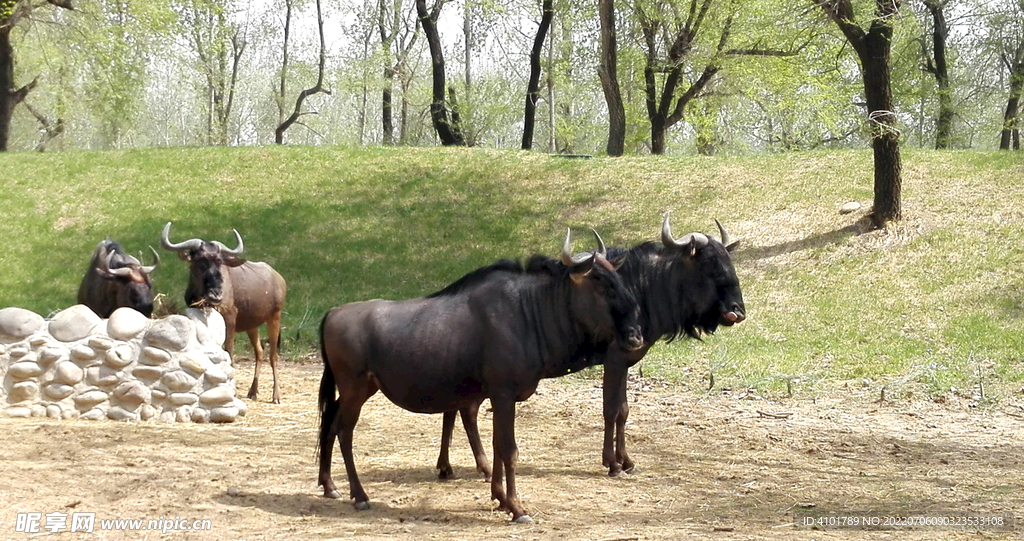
[933, 303]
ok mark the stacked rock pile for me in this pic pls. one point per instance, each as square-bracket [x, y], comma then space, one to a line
[127, 367]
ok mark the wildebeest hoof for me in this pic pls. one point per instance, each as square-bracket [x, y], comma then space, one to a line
[362, 506]
[523, 519]
[445, 474]
[334, 494]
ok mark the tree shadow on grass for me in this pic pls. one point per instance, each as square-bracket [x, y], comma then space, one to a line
[835, 237]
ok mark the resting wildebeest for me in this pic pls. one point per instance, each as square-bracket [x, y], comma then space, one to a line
[685, 287]
[494, 333]
[115, 279]
[248, 294]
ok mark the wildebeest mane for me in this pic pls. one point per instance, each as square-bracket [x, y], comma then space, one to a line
[665, 310]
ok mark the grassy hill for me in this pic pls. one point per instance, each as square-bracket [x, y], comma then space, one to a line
[933, 305]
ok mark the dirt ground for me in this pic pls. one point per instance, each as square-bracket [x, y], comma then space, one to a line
[722, 466]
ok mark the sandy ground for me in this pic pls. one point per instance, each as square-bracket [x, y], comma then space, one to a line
[721, 466]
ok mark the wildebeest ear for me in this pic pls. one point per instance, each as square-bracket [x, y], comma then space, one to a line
[233, 261]
[732, 247]
[185, 255]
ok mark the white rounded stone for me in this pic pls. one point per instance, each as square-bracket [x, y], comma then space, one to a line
[171, 333]
[74, 323]
[126, 323]
[58, 391]
[68, 372]
[220, 394]
[18, 323]
[22, 391]
[120, 356]
[179, 381]
[152, 355]
[24, 370]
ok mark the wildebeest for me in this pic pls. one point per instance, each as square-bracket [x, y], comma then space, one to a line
[247, 293]
[115, 279]
[494, 333]
[685, 287]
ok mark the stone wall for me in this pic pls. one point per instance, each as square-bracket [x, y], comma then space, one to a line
[127, 367]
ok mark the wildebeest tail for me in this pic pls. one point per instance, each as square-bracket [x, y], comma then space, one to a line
[327, 402]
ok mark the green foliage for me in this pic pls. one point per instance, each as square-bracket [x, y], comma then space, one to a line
[934, 302]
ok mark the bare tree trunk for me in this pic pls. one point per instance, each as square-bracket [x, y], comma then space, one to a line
[7, 91]
[10, 96]
[283, 127]
[551, 93]
[281, 93]
[533, 87]
[1011, 129]
[447, 130]
[938, 66]
[873, 50]
[607, 71]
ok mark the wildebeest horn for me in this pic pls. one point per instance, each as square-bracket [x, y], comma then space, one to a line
[238, 248]
[120, 271]
[601, 249]
[697, 240]
[725, 236]
[568, 259]
[156, 261]
[190, 244]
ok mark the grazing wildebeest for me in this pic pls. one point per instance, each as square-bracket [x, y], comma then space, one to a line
[495, 333]
[685, 287]
[115, 279]
[248, 294]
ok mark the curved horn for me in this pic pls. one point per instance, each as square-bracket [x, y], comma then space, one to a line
[120, 271]
[165, 241]
[156, 261]
[567, 258]
[601, 249]
[666, 235]
[691, 240]
[725, 236]
[228, 251]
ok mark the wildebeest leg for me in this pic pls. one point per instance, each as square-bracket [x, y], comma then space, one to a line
[330, 424]
[349, 415]
[443, 464]
[506, 454]
[274, 335]
[257, 351]
[616, 409]
[469, 418]
[469, 422]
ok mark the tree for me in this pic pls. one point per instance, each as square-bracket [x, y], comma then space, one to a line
[608, 72]
[533, 86]
[315, 89]
[396, 42]
[447, 130]
[11, 13]
[665, 111]
[219, 45]
[873, 51]
[1009, 25]
[936, 63]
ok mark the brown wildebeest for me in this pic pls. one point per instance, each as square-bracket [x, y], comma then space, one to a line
[685, 287]
[248, 294]
[115, 279]
[495, 333]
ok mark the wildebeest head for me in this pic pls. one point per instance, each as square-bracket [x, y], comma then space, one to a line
[208, 262]
[710, 282]
[601, 292]
[127, 281]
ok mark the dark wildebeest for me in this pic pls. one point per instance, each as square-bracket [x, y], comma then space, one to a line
[248, 294]
[495, 333]
[115, 279]
[685, 287]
